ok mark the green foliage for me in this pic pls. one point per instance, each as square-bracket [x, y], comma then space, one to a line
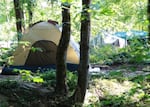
[66, 1]
[6, 55]
[6, 87]
[101, 54]
[109, 14]
[120, 57]
[113, 101]
[19, 96]
[50, 76]
[119, 15]
[71, 80]
[8, 84]
[131, 92]
[28, 76]
[35, 49]
[38, 79]
[136, 52]
[24, 43]
[115, 74]
[139, 52]
[4, 104]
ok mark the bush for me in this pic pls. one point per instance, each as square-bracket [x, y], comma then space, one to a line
[135, 52]
[102, 54]
[50, 76]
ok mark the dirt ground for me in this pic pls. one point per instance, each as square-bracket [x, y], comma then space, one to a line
[127, 68]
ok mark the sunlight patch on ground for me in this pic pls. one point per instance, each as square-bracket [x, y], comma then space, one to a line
[103, 87]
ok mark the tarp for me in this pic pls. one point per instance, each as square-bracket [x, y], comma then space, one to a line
[131, 34]
[118, 39]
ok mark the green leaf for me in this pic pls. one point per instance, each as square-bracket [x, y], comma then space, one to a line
[25, 43]
[106, 11]
[66, 1]
[38, 79]
[34, 49]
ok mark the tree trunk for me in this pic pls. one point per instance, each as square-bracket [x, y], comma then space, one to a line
[148, 16]
[19, 17]
[84, 54]
[30, 8]
[61, 86]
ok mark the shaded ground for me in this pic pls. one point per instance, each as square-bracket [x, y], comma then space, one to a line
[26, 94]
[126, 69]
[133, 67]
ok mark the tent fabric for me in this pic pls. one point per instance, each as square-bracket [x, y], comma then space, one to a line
[38, 46]
[46, 54]
[39, 32]
[99, 41]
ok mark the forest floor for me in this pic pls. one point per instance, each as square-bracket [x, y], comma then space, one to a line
[111, 86]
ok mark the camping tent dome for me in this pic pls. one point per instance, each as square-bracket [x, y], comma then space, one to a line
[38, 46]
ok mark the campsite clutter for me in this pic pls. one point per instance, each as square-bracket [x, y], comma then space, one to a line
[37, 49]
[119, 39]
[38, 46]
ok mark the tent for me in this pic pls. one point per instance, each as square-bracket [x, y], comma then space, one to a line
[119, 39]
[101, 40]
[38, 47]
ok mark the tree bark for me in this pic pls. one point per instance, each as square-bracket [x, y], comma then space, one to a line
[61, 86]
[30, 9]
[148, 16]
[80, 91]
[19, 17]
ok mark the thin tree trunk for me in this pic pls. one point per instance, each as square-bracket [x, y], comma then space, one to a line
[148, 16]
[30, 7]
[19, 17]
[61, 86]
[80, 91]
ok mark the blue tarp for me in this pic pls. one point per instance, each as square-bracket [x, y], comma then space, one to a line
[131, 34]
[9, 70]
